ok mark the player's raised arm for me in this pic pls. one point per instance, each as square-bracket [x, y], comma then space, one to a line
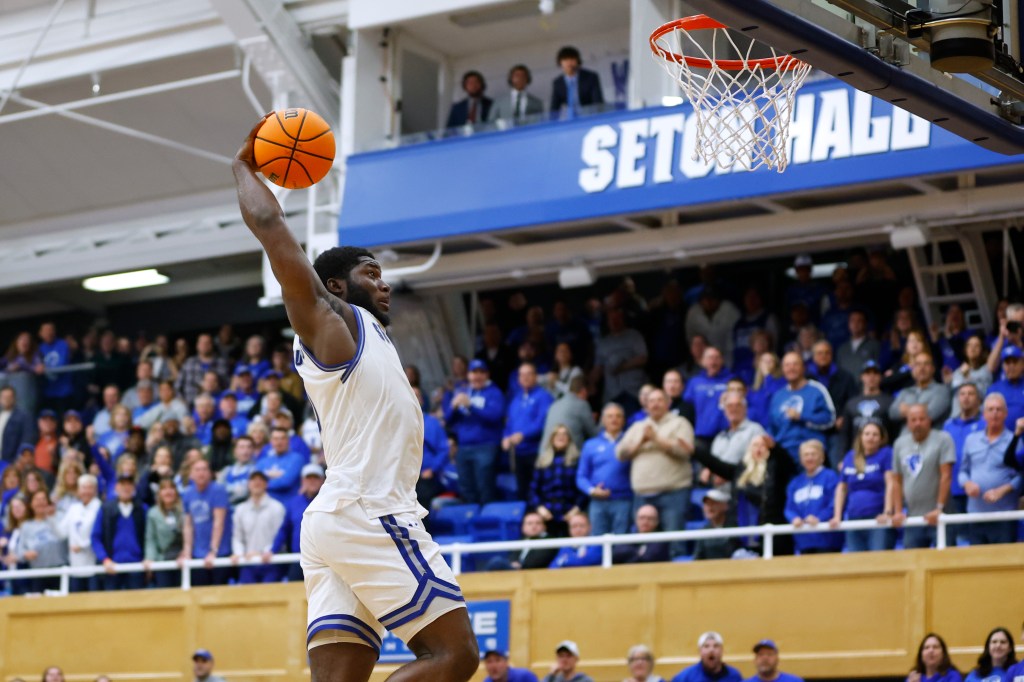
[321, 320]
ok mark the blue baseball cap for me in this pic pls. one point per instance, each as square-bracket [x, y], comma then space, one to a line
[494, 652]
[203, 654]
[73, 413]
[870, 366]
[765, 644]
[478, 366]
[47, 413]
[26, 446]
[271, 373]
[1012, 352]
[243, 369]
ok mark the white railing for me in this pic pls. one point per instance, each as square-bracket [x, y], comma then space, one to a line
[457, 550]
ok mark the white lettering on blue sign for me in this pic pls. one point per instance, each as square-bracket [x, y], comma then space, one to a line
[491, 621]
[832, 124]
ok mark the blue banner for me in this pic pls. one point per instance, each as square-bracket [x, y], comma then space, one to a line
[491, 623]
[629, 162]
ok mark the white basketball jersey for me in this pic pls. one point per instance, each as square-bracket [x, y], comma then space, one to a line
[370, 423]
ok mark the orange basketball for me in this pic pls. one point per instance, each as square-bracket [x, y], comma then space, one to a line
[294, 148]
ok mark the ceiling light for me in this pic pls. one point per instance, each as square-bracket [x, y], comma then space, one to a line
[576, 276]
[907, 236]
[126, 280]
[818, 270]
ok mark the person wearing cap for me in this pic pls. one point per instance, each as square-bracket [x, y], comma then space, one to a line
[1011, 333]
[711, 667]
[810, 501]
[925, 391]
[716, 508]
[800, 410]
[1011, 385]
[922, 470]
[859, 348]
[640, 660]
[872, 403]
[287, 539]
[15, 425]
[202, 667]
[805, 290]
[969, 420]
[73, 439]
[476, 414]
[207, 524]
[989, 484]
[119, 535]
[567, 657]
[254, 527]
[243, 387]
[766, 662]
[498, 669]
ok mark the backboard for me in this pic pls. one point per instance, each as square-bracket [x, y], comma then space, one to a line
[955, 63]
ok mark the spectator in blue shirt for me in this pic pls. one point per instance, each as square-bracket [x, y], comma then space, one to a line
[527, 409]
[111, 399]
[582, 555]
[204, 415]
[235, 477]
[996, 660]
[282, 465]
[1015, 672]
[766, 662]
[933, 662]
[228, 408]
[243, 386]
[254, 359]
[801, 410]
[498, 669]
[990, 485]
[475, 413]
[705, 392]
[1011, 385]
[553, 492]
[207, 524]
[287, 539]
[119, 536]
[435, 457]
[964, 424]
[810, 500]
[604, 478]
[766, 383]
[711, 667]
[865, 489]
[57, 388]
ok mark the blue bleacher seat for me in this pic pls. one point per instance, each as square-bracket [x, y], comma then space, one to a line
[507, 487]
[452, 520]
[498, 521]
[696, 510]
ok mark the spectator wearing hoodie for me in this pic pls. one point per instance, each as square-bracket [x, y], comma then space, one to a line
[526, 413]
[810, 501]
[801, 410]
[705, 392]
[475, 413]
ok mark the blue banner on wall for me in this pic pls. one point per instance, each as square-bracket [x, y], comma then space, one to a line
[629, 162]
[491, 623]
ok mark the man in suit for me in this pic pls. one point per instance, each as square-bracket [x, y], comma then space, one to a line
[576, 87]
[518, 104]
[16, 425]
[475, 107]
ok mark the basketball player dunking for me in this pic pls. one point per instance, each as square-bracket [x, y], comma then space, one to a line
[368, 562]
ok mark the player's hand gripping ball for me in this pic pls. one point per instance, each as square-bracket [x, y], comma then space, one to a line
[294, 148]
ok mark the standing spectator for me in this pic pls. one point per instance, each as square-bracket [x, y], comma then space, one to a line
[841, 388]
[949, 340]
[475, 414]
[974, 370]
[77, 527]
[659, 449]
[227, 406]
[55, 353]
[119, 536]
[41, 544]
[573, 411]
[165, 523]
[835, 324]
[227, 341]
[243, 387]
[996, 659]
[202, 667]
[532, 528]
[475, 107]
[498, 669]
[716, 511]
[111, 365]
[674, 386]
[865, 490]
[990, 485]
[254, 527]
[495, 353]
[805, 290]
[925, 391]
[619, 359]
[207, 532]
[767, 382]
[900, 374]
[801, 410]
[711, 666]
[766, 662]
[101, 422]
[15, 425]
[755, 319]
[1011, 386]
[519, 104]
[22, 364]
[574, 87]
[204, 414]
[713, 318]
[291, 527]
[705, 392]
[580, 555]
[562, 372]
[968, 421]
[168, 404]
[553, 492]
[922, 469]
[933, 662]
[18, 513]
[647, 552]
[190, 380]
[810, 501]
[156, 354]
[255, 357]
[65, 491]
[640, 660]
[870, 405]
[733, 442]
[46, 445]
[604, 478]
[282, 466]
[1011, 333]
[435, 457]
[527, 411]
[143, 377]
[859, 347]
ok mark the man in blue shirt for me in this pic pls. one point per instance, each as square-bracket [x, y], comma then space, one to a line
[290, 531]
[705, 392]
[1011, 386]
[766, 662]
[282, 465]
[990, 485]
[959, 428]
[207, 530]
[475, 414]
[228, 408]
[710, 667]
[602, 476]
[498, 669]
[527, 410]
[801, 410]
[57, 388]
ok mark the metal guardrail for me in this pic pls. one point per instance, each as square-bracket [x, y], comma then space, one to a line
[767, 532]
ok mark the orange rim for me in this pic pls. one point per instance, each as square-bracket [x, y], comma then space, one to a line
[702, 22]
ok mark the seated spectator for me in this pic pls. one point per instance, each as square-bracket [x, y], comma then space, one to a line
[243, 387]
[156, 354]
[518, 104]
[498, 669]
[567, 656]
[17, 425]
[204, 415]
[640, 660]
[254, 527]
[119, 536]
[207, 530]
[733, 442]
[581, 555]
[648, 552]
[810, 501]
[190, 379]
[1015, 672]
[619, 360]
[1011, 385]
[573, 411]
[604, 478]
[990, 485]
[766, 662]
[575, 87]
[859, 348]
[475, 414]
[716, 511]
[553, 492]
[801, 410]
[291, 528]
[973, 370]
[255, 357]
[641, 398]
[111, 399]
[711, 665]
[705, 392]
[870, 405]
[526, 412]
[73, 442]
[218, 452]
[864, 490]
[476, 107]
[841, 388]
[922, 469]
[996, 659]
[58, 388]
[227, 406]
[260, 435]
[202, 667]
[143, 377]
[143, 413]
[766, 383]
[10, 485]
[933, 662]
[532, 528]
[77, 526]
[925, 391]
[22, 364]
[282, 466]
[41, 545]
[165, 523]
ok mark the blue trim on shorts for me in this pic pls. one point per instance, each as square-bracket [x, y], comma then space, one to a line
[359, 347]
[357, 627]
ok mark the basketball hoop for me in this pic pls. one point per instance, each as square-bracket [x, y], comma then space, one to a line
[742, 106]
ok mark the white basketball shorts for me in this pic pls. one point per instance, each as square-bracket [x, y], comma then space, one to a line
[366, 574]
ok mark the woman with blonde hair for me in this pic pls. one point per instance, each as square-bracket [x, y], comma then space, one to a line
[865, 490]
[767, 381]
[65, 490]
[553, 490]
[640, 660]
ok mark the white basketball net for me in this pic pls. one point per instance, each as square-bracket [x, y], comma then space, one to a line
[743, 113]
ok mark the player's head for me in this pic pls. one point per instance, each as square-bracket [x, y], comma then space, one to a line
[354, 275]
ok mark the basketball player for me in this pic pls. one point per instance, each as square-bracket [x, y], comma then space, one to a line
[367, 561]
